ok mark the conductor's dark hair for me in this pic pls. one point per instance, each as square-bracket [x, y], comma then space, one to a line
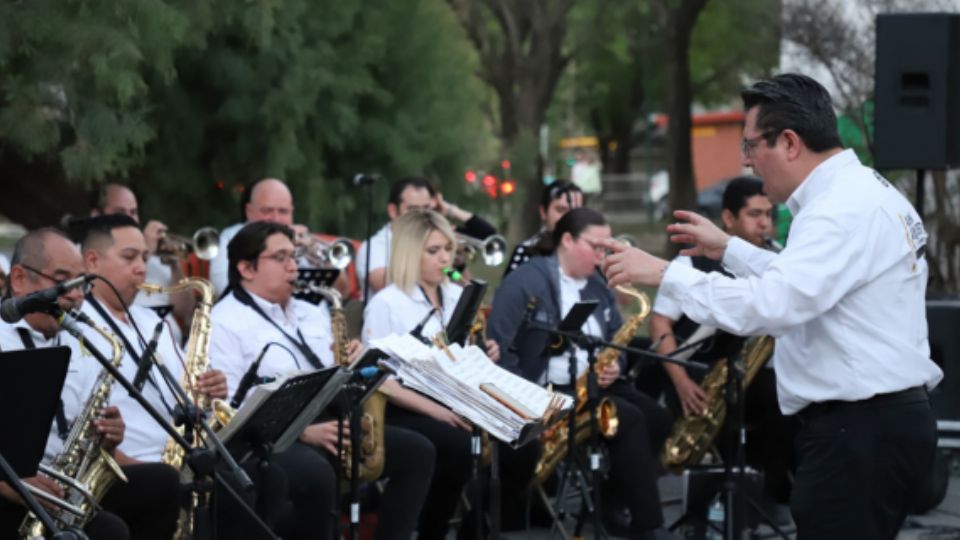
[796, 102]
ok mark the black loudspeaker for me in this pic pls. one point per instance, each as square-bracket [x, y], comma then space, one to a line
[943, 322]
[917, 91]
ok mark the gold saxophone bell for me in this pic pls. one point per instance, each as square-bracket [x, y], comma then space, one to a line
[492, 248]
[205, 244]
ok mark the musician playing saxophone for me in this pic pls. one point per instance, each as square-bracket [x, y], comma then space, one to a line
[746, 214]
[143, 507]
[558, 281]
[259, 309]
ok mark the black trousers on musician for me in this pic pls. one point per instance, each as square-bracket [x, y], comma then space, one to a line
[859, 464]
[635, 453]
[293, 495]
[144, 507]
[408, 464]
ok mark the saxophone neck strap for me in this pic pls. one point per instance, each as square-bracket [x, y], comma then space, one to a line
[299, 342]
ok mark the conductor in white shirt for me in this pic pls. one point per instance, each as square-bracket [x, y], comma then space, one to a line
[845, 300]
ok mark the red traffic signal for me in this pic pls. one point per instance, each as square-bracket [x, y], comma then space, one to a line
[470, 177]
[489, 181]
[507, 187]
[505, 164]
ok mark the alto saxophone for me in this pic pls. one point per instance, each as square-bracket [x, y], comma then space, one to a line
[693, 435]
[197, 361]
[554, 439]
[84, 468]
[372, 418]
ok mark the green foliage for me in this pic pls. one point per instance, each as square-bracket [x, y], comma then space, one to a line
[193, 99]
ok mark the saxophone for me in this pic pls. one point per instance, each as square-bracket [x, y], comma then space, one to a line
[197, 360]
[554, 440]
[84, 468]
[372, 419]
[693, 435]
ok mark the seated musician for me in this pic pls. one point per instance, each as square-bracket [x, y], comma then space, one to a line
[259, 310]
[146, 505]
[423, 244]
[115, 249]
[406, 194]
[747, 215]
[558, 282]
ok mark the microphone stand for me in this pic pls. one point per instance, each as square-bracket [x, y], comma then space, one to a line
[366, 274]
[200, 460]
[589, 343]
[10, 476]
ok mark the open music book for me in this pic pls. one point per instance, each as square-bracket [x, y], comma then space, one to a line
[504, 405]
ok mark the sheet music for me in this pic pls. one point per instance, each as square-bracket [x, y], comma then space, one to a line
[456, 384]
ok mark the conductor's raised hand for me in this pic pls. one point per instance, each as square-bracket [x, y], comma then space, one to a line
[706, 238]
[624, 265]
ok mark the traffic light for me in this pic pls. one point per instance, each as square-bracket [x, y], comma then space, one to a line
[489, 181]
[470, 176]
[507, 187]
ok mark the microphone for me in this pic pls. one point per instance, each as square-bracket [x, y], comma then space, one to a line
[249, 379]
[14, 309]
[522, 329]
[363, 179]
[146, 359]
[417, 331]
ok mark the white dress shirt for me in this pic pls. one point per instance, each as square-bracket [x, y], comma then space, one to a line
[82, 373]
[845, 298]
[239, 334]
[218, 265]
[143, 439]
[379, 254]
[666, 305]
[393, 311]
[558, 368]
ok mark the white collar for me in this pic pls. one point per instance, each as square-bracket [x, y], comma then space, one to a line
[818, 180]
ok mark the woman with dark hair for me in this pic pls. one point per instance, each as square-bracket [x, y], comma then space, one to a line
[558, 281]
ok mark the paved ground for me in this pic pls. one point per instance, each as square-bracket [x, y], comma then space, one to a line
[943, 523]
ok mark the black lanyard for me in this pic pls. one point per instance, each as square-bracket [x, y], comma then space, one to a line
[439, 300]
[126, 342]
[244, 298]
[63, 428]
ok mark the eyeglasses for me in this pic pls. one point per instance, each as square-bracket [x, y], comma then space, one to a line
[597, 248]
[747, 145]
[85, 288]
[281, 257]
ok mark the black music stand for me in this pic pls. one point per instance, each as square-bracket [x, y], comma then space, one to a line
[32, 383]
[366, 375]
[310, 279]
[458, 329]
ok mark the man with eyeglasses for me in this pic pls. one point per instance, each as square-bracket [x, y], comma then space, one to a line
[845, 300]
[261, 310]
[557, 198]
[146, 505]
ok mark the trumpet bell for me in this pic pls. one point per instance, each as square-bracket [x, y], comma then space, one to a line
[493, 248]
[206, 243]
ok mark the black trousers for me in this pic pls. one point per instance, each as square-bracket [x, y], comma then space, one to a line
[452, 468]
[408, 464]
[859, 464]
[294, 496]
[635, 453]
[145, 507]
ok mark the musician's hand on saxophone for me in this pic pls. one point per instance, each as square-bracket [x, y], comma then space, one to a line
[608, 375]
[325, 434]
[692, 398]
[355, 350]
[110, 427]
[213, 383]
[492, 350]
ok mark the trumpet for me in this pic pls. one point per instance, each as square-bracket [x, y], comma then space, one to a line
[493, 248]
[337, 254]
[205, 244]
